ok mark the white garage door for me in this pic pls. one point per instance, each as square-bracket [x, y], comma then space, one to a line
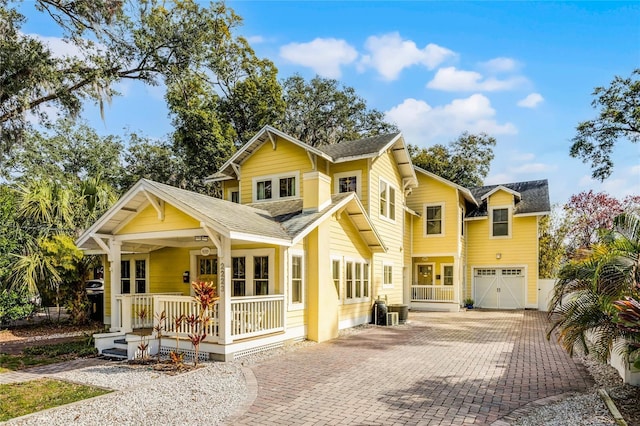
[499, 288]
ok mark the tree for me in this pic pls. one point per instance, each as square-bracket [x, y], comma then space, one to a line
[583, 304]
[589, 213]
[147, 41]
[320, 112]
[552, 233]
[619, 118]
[465, 161]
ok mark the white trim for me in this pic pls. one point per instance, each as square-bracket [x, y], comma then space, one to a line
[230, 192]
[501, 188]
[470, 219]
[296, 306]
[338, 258]
[544, 213]
[442, 220]
[453, 273]
[275, 186]
[386, 263]
[249, 278]
[363, 264]
[132, 272]
[192, 232]
[509, 222]
[385, 216]
[338, 176]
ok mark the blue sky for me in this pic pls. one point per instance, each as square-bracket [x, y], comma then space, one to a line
[521, 71]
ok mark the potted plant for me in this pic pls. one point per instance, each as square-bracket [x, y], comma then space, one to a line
[468, 303]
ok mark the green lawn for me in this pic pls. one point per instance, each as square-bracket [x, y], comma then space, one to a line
[19, 399]
[45, 354]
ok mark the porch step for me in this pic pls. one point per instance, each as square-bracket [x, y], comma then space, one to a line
[115, 353]
[120, 342]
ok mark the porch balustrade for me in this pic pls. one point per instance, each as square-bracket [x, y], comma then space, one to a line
[433, 293]
[250, 316]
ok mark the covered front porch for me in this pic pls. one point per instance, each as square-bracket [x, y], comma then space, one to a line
[436, 283]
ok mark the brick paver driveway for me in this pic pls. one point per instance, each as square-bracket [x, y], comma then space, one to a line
[471, 367]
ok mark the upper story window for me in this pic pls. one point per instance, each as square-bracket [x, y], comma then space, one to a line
[348, 182]
[500, 226]
[387, 200]
[434, 219]
[276, 187]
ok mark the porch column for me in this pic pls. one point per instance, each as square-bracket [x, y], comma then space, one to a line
[115, 258]
[224, 304]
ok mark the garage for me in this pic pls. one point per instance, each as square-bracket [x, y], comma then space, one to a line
[499, 288]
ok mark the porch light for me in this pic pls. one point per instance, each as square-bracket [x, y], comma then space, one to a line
[498, 255]
[201, 238]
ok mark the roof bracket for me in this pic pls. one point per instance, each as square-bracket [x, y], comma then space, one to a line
[236, 168]
[98, 239]
[313, 158]
[157, 204]
[272, 139]
[214, 238]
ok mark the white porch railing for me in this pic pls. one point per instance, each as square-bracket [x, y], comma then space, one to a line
[433, 293]
[256, 315]
[250, 316]
[137, 310]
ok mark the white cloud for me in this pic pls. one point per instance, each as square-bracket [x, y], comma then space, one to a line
[453, 80]
[533, 168]
[324, 55]
[389, 54]
[256, 39]
[498, 65]
[422, 123]
[522, 156]
[531, 101]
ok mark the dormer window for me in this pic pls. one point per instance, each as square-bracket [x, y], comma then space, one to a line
[348, 182]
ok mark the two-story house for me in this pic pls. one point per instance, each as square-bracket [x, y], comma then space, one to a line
[304, 241]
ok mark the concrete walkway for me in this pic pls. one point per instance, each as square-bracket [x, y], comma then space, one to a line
[473, 367]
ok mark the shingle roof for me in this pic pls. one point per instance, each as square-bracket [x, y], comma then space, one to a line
[358, 148]
[534, 197]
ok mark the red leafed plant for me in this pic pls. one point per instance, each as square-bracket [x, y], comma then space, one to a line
[205, 297]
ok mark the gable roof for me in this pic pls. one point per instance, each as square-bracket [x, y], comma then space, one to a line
[371, 147]
[466, 193]
[533, 200]
[280, 222]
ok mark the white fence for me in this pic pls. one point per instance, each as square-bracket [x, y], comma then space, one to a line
[433, 293]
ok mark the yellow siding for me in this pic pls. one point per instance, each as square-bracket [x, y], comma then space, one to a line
[266, 161]
[432, 191]
[501, 198]
[227, 185]
[519, 250]
[165, 270]
[390, 232]
[147, 221]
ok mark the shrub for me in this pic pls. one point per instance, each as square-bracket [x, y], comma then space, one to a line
[15, 305]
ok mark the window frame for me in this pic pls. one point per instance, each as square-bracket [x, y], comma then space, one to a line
[249, 272]
[492, 222]
[442, 220]
[388, 208]
[132, 278]
[360, 283]
[443, 267]
[353, 173]
[339, 286]
[231, 192]
[275, 186]
[387, 265]
[302, 303]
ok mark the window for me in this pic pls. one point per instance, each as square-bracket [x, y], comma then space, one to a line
[447, 274]
[261, 275]
[335, 273]
[235, 196]
[387, 200]
[387, 275]
[238, 276]
[296, 279]
[462, 222]
[125, 277]
[141, 276]
[356, 281]
[500, 222]
[287, 187]
[348, 182]
[209, 266]
[434, 219]
[263, 190]
[276, 187]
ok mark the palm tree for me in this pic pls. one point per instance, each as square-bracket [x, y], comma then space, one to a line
[583, 308]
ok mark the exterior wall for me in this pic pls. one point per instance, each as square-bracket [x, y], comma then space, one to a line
[165, 270]
[347, 244]
[266, 161]
[437, 261]
[357, 165]
[431, 191]
[520, 249]
[390, 232]
[147, 221]
[227, 185]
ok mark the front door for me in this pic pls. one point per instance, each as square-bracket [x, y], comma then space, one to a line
[424, 272]
[207, 269]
